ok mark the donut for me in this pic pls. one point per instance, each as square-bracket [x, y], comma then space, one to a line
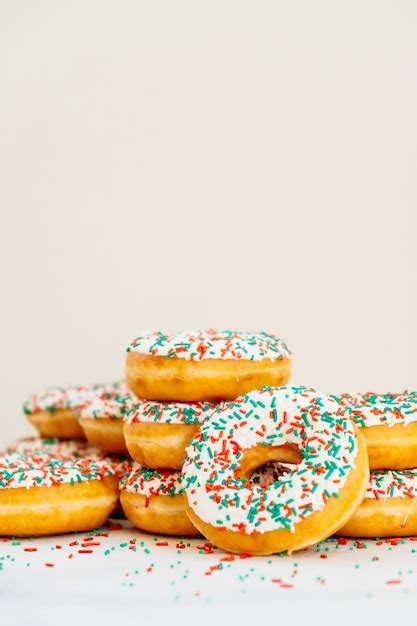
[389, 508]
[205, 365]
[158, 433]
[42, 494]
[54, 412]
[317, 496]
[389, 424]
[153, 500]
[102, 420]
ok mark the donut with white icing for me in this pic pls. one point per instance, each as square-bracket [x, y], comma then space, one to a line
[44, 494]
[389, 508]
[207, 365]
[389, 425]
[102, 420]
[158, 433]
[55, 411]
[153, 500]
[310, 502]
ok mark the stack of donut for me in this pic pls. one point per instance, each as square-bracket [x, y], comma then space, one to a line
[389, 425]
[182, 381]
[204, 436]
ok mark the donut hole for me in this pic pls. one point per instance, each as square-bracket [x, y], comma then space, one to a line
[273, 461]
[269, 473]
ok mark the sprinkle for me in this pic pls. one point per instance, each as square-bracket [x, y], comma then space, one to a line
[109, 404]
[147, 482]
[56, 398]
[385, 484]
[45, 469]
[211, 344]
[372, 409]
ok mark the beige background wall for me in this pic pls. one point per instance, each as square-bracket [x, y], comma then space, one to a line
[191, 164]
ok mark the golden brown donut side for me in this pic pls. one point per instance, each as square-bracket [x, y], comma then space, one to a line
[105, 434]
[394, 517]
[61, 424]
[157, 445]
[158, 514]
[316, 527]
[391, 447]
[173, 379]
[57, 509]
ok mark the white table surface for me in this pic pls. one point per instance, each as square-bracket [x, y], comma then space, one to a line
[120, 575]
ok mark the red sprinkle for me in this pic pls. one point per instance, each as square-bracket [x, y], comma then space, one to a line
[281, 584]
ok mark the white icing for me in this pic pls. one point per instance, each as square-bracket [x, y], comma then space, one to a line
[40, 470]
[69, 397]
[371, 409]
[387, 484]
[30, 447]
[211, 344]
[70, 449]
[171, 412]
[108, 406]
[148, 482]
